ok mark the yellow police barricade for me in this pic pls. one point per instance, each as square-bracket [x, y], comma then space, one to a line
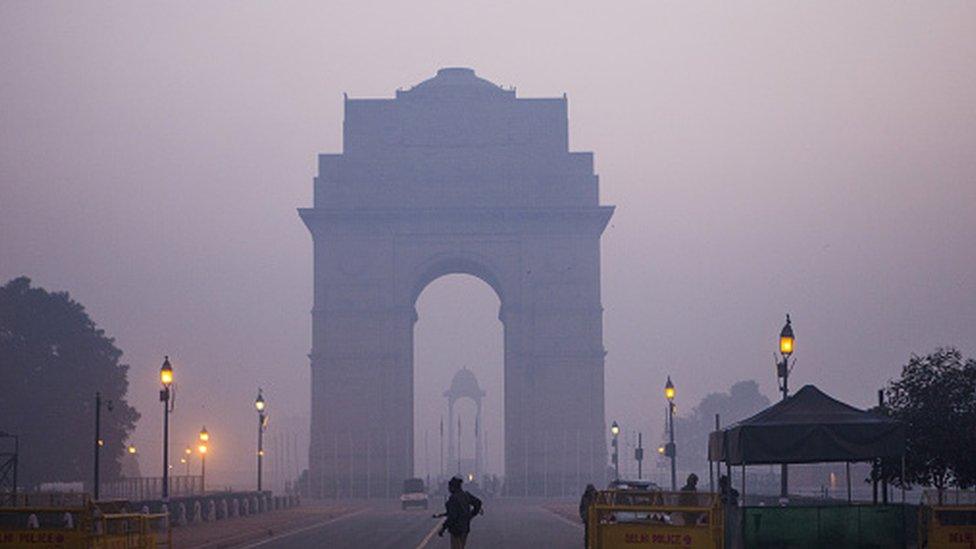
[636, 518]
[947, 520]
[82, 528]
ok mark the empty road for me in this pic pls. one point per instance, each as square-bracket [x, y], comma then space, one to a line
[506, 523]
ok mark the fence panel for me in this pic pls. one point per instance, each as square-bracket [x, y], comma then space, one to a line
[862, 527]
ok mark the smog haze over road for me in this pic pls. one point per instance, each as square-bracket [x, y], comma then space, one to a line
[815, 159]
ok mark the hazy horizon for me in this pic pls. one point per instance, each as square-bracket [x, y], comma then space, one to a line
[764, 159]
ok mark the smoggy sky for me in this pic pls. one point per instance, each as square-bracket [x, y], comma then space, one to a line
[815, 158]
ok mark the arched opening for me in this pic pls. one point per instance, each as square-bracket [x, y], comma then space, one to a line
[458, 327]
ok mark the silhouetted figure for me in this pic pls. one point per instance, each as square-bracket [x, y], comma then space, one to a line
[589, 496]
[730, 500]
[461, 507]
[728, 494]
[689, 498]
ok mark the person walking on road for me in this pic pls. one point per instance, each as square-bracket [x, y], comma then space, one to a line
[589, 496]
[461, 507]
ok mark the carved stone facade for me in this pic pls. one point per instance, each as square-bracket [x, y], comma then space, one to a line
[456, 175]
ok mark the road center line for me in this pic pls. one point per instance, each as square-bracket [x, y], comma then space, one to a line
[305, 529]
[430, 534]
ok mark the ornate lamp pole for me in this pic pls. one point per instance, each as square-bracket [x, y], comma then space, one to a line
[202, 448]
[259, 405]
[166, 397]
[671, 450]
[98, 442]
[614, 431]
[783, 367]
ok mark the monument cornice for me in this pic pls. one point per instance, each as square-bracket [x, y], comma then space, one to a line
[594, 218]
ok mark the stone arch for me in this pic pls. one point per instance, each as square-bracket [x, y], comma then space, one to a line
[456, 175]
[444, 264]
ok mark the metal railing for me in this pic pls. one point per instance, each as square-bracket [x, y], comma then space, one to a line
[143, 488]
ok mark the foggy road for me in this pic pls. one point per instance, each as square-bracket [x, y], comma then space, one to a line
[506, 523]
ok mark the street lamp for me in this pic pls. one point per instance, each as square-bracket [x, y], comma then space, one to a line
[614, 431]
[259, 405]
[670, 450]
[783, 367]
[131, 449]
[202, 448]
[189, 452]
[98, 441]
[165, 396]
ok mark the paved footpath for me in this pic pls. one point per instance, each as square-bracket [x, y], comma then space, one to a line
[505, 524]
[236, 532]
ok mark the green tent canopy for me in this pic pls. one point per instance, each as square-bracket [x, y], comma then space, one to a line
[808, 427]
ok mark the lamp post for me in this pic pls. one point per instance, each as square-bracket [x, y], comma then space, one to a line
[639, 455]
[259, 405]
[614, 431]
[783, 367]
[670, 450]
[186, 459]
[165, 396]
[98, 441]
[202, 448]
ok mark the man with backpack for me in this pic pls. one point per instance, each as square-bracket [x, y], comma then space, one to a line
[461, 507]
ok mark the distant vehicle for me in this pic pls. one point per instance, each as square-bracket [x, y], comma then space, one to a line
[414, 494]
[643, 485]
[630, 492]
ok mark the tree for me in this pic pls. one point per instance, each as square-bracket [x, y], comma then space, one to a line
[691, 431]
[53, 359]
[936, 400]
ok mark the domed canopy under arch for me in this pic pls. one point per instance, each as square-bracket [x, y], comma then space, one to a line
[464, 384]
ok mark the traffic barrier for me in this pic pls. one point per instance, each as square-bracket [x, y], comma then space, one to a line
[947, 520]
[632, 518]
[82, 527]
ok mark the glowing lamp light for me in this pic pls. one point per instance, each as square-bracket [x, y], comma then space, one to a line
[259, 403]
[470, 477]
[166, 373]
[660, 450]
[204, 435]
[202, 449]
[669, 390]
[131, 449]
[786, 338]
[614, 429]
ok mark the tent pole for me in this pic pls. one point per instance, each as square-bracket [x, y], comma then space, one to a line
[903, 479]
[848, 467]
[711, 476]
[743, 483]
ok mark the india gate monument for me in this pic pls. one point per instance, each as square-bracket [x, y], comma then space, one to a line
[456, 175]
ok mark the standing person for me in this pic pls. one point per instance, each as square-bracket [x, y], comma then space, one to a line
[461, 507]
[730, 502]
[589, 496]
[689, 498]
[729, 495]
